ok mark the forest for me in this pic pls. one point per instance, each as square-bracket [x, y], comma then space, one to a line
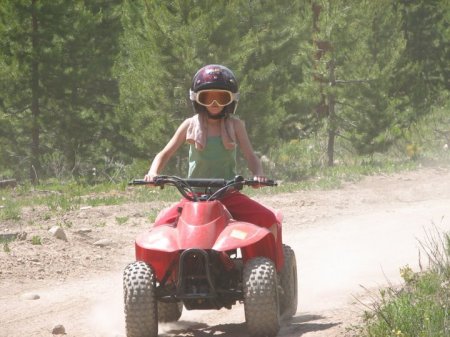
[93, 89]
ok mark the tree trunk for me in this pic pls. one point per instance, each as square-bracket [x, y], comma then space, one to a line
[331, 116]
[35, 111]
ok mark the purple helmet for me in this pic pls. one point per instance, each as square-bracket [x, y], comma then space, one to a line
[214, 76]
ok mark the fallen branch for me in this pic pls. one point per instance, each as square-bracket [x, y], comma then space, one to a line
[8, 183]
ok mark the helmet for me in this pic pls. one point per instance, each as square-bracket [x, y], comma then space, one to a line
[214, 76]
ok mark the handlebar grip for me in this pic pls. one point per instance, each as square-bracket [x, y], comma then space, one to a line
[141, 182]
[271, 183]
[265, 183]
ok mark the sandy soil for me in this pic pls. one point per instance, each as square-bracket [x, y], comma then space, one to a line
[348, 242]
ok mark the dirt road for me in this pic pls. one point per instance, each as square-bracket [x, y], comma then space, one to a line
[345, 239]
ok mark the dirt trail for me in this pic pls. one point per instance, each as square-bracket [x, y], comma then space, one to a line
[359, 235]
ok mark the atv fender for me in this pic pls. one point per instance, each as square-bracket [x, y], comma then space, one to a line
[161, 238]
[158, 247]
[251, 239]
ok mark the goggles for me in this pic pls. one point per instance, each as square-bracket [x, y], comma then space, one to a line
[208, 97]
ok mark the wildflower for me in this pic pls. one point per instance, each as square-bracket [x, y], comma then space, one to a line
[397, 332]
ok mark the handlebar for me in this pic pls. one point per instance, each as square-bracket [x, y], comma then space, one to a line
[185, 186]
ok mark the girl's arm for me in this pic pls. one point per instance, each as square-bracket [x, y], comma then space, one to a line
[254, 164]
[161, 159]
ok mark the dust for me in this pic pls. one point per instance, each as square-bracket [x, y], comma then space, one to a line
[345, 239]
[106, 316]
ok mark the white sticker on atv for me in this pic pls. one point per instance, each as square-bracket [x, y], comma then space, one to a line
[237, 234]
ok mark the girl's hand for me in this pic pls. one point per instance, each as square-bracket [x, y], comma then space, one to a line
[261, 179]
[149, 177]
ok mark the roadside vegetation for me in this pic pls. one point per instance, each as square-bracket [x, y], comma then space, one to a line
[296, 165]
[421, 306]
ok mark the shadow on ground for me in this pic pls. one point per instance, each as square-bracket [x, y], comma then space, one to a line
[301, 324]
[294, 327]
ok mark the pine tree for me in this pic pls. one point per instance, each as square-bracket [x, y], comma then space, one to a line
[425, 61]
[57, 89]
[366, 45]
[264, 43]
[273, 57]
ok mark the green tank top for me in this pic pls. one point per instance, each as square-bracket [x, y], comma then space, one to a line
[214, 161]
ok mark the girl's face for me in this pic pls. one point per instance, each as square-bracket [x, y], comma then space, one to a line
[214, 109]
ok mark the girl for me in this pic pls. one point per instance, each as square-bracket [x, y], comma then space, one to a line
[214, 133]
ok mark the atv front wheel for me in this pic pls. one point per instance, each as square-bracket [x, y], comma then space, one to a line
[288, 282]
[261, 304]
[169, 312]
[140, 301]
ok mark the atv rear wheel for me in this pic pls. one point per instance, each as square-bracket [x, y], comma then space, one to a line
[169, 312]
[140, 301]
[261, 298]
[288, 282]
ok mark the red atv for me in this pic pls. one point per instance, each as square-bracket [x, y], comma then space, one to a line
[208, 260]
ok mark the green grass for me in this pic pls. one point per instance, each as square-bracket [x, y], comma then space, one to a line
[36, 240]
[152, 214]
[10, 210]
[106, 200]
[121, 220]
[146, 194]
[70, 196]
[4, 242]
[65, 224]
[60, 202]
[421, 307]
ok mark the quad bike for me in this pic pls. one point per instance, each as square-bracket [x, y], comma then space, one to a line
[208, 260]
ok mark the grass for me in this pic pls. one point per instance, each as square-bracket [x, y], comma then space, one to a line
[36, 240]
[121, 220]
[10, 209]
[152, 214]
[59, 198]
[5, 241]
[106, 200]
[421, 307]
[65, 224]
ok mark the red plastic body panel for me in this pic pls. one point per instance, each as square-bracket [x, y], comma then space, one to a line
[207, 225]
[200, 223]
[239, 234]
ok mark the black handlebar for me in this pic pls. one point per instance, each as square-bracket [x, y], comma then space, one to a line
[161, 180]
[202, 182]
[214, 188]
